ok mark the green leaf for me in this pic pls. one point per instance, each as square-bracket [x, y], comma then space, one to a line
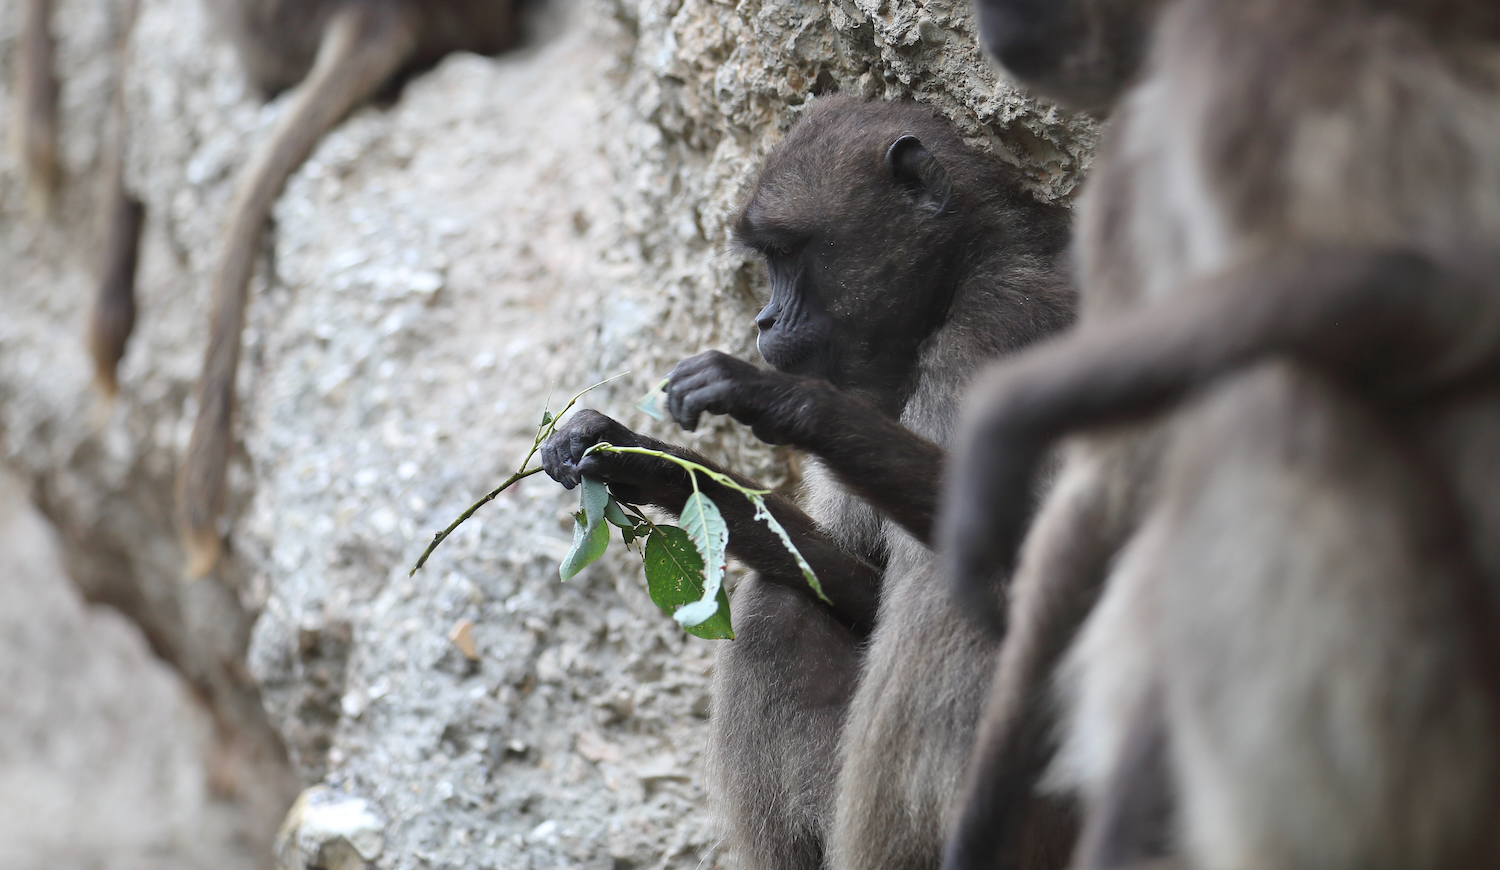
[651, 404]
[764, 514]
[589, 543]
[547, 417]
[704, 525]
[615, 514]
[593, 497]
[674, 577]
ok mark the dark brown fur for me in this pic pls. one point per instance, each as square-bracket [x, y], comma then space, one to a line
[900, 261]
[1308, 180]
[341, 52]
[123, 217]
[112, 318]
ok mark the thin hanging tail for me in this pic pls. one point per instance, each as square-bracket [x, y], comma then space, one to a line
[35, 121]
[363, 46]
[112, 318]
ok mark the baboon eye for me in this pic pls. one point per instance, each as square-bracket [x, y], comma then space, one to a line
[779, 249]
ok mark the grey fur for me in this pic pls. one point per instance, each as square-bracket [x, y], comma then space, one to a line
[1299, 569]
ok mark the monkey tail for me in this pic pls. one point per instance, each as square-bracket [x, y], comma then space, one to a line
[36, 104]
[1389, 319]
[363, 45]
[113, 316]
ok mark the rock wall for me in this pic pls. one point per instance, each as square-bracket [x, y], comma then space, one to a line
[510, 228]
[106, 760]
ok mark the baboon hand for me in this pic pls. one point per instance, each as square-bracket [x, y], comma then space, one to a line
[634, 479]
[717, 383]
[563, 452]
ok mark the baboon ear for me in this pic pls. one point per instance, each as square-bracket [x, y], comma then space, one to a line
[914, 167]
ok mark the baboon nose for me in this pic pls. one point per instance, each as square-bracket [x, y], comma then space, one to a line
[767, 317]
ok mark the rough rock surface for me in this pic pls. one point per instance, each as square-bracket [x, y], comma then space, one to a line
[509, 228]
[104, 757]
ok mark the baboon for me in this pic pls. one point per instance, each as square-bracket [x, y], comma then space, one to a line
[900, 261]
[1278, 530]
[34, 116]
[341, 52]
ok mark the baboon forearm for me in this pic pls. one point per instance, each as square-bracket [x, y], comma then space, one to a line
[1394, 321]
[893, 468]
[1389, 321]
[851, 584]
[1068, 552]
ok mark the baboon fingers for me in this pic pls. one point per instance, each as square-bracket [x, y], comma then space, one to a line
[688, 407]
[713, 383]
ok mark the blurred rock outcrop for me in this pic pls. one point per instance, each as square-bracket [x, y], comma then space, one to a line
[509, 228]
[106, 760]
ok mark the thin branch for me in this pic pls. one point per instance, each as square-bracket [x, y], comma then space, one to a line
[544, 431]
[441, 536]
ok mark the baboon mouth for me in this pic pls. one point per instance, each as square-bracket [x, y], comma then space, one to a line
[793, 359]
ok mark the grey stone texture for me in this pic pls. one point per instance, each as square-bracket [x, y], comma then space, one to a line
[106, 760]
[506, 230]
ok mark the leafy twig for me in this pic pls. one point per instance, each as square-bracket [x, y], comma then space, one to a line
[543, 430]
[756, 497]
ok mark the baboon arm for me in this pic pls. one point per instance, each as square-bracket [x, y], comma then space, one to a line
[1080, 528]
[1130, 823]
[893, 468]
[1391, 321]
[851, 584]
[363, 46]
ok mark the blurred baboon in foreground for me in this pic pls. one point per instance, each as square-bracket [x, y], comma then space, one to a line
[1288, 491]
[341, 52]
[900, 261]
